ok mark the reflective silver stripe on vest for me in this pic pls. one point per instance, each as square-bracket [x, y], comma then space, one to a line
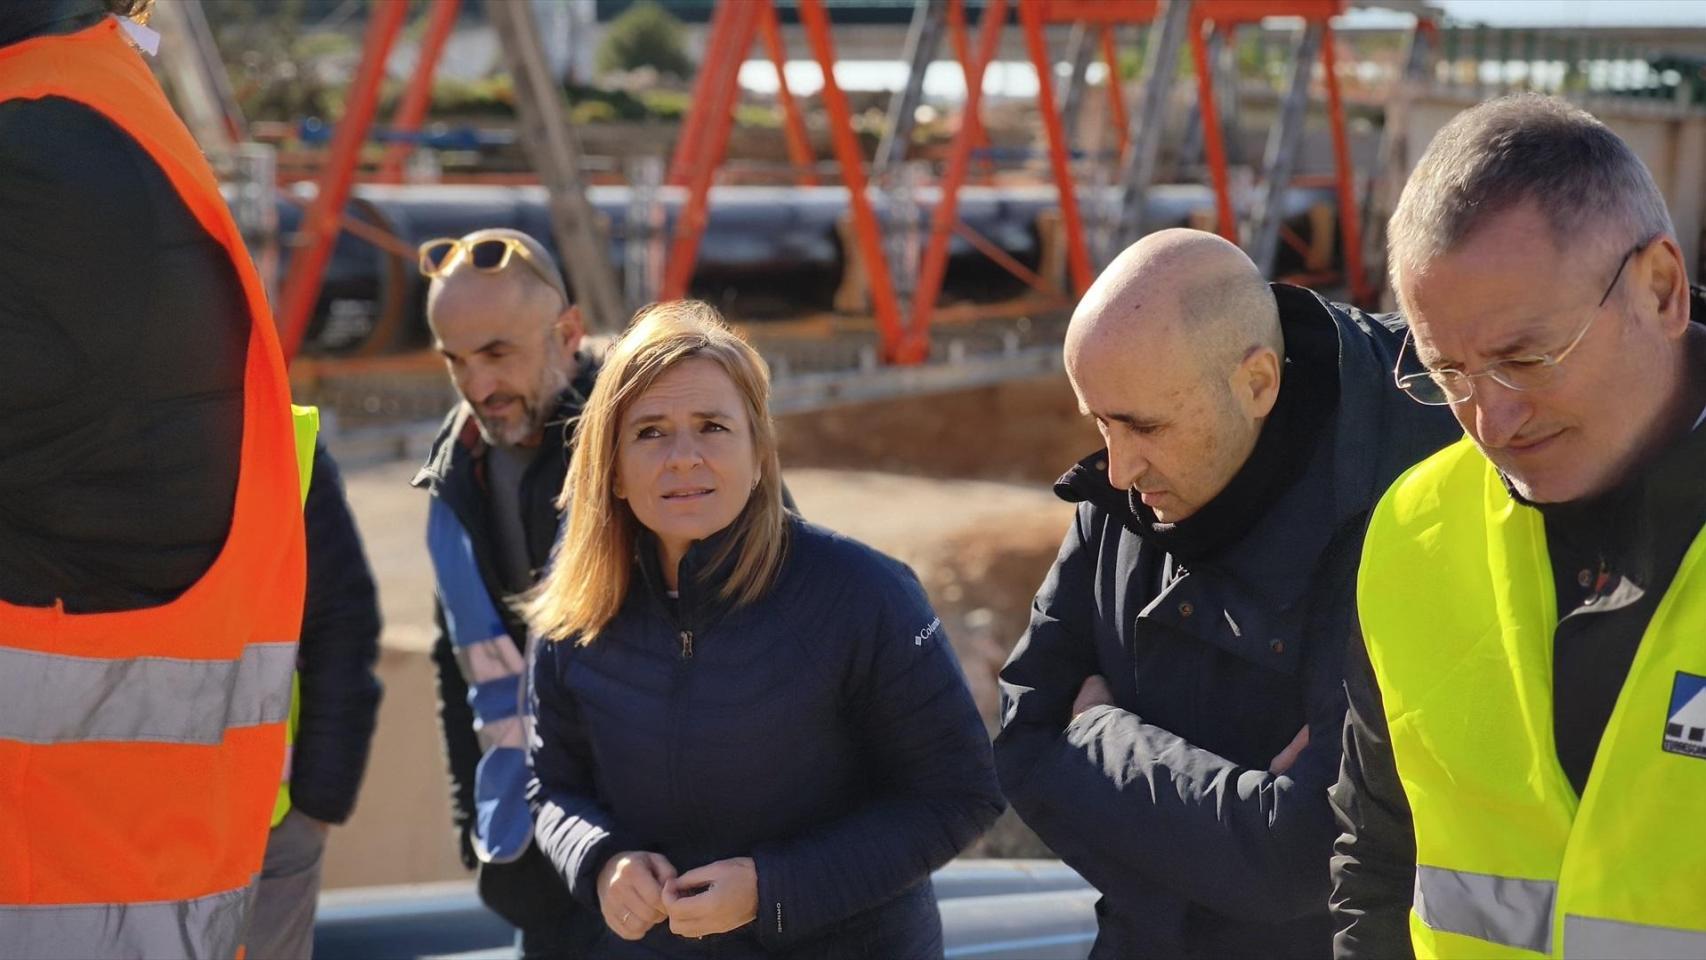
[1507, 910]
[1586, 937]
[489, 660]
[50, 698]
[508, 732]
[204, 927]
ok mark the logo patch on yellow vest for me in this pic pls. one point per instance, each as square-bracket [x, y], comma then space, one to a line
[1685, 730]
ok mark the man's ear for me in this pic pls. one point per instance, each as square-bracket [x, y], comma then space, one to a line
[1667, 284]
[570, 329]
[1256, 382]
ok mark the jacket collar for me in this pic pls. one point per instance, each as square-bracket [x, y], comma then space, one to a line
[1367, 353]
[459, 446]
[699, 579]
[1282, 567]
[22, 20]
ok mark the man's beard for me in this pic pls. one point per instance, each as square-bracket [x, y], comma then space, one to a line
[536, 408]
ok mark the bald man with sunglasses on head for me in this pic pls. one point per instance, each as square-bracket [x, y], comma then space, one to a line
[502, 319]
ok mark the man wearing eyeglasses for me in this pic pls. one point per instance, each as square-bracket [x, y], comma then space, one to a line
[1525, 755]
[502, 319]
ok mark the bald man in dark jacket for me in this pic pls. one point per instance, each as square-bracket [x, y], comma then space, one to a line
[1170, 720]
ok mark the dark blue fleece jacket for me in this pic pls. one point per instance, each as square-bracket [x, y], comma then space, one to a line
[825, 731]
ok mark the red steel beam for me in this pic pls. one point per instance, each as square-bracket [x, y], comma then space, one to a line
[962, 53]
[1116, 96]
[946, 215]
[1077, 257]
[441, 19]
[1215, 150]
[1350, 224]
[690, 226]
[895, 347]
[321, 223]
[1097, 11]
[377, 236]
[794, 122]
[1006, 261]
[1228, 12]
[704, 84]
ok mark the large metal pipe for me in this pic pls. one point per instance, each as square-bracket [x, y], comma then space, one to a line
[768, 251]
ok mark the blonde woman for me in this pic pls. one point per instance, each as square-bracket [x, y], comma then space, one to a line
[752, 737]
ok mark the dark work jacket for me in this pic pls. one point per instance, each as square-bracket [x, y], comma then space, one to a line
[824, 730]
[123, 331]
[455, 472]
[340, 641]
[1163, 800]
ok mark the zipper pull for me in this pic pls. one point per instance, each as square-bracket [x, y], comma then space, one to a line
[686, 644]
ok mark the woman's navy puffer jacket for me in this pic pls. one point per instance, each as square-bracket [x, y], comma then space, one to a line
[825, 731]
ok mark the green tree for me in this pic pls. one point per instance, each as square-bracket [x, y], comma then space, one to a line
[646, 35]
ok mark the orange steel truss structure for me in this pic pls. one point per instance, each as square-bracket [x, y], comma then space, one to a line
[323, 219]
[1106, 16]
[903, 329]
[704, 136]
[1034, 15]
[704, 142]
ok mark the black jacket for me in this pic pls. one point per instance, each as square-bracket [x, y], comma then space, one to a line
[825, 731]
[123, 331]
[1163, 800]
[524, 892]
[340, 642]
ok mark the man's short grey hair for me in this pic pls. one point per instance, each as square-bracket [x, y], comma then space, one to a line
[1496, 156]
[1230, 314]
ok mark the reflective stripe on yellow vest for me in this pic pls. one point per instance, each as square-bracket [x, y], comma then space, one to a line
[1458, 610]
[306, 421]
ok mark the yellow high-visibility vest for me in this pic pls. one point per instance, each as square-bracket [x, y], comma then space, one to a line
[1458, 610]
[306, 421]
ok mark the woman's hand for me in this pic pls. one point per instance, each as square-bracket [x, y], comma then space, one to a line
[1283, 761]
[631, 892]
[1094, 692]
[715, 898]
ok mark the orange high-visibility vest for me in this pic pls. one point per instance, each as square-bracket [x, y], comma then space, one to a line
[140, 751]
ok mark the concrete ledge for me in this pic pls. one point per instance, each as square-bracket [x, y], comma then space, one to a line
[991, 910]
[805, 392]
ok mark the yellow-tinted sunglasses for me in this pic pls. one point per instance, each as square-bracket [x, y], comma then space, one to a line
[441, 257]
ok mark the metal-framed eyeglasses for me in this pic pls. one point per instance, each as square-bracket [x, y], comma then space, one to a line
[1448, 385]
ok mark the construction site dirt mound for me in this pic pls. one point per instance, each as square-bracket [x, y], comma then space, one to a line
[1022, 431]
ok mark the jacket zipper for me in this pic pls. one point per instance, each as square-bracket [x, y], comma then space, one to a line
[678, 687]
